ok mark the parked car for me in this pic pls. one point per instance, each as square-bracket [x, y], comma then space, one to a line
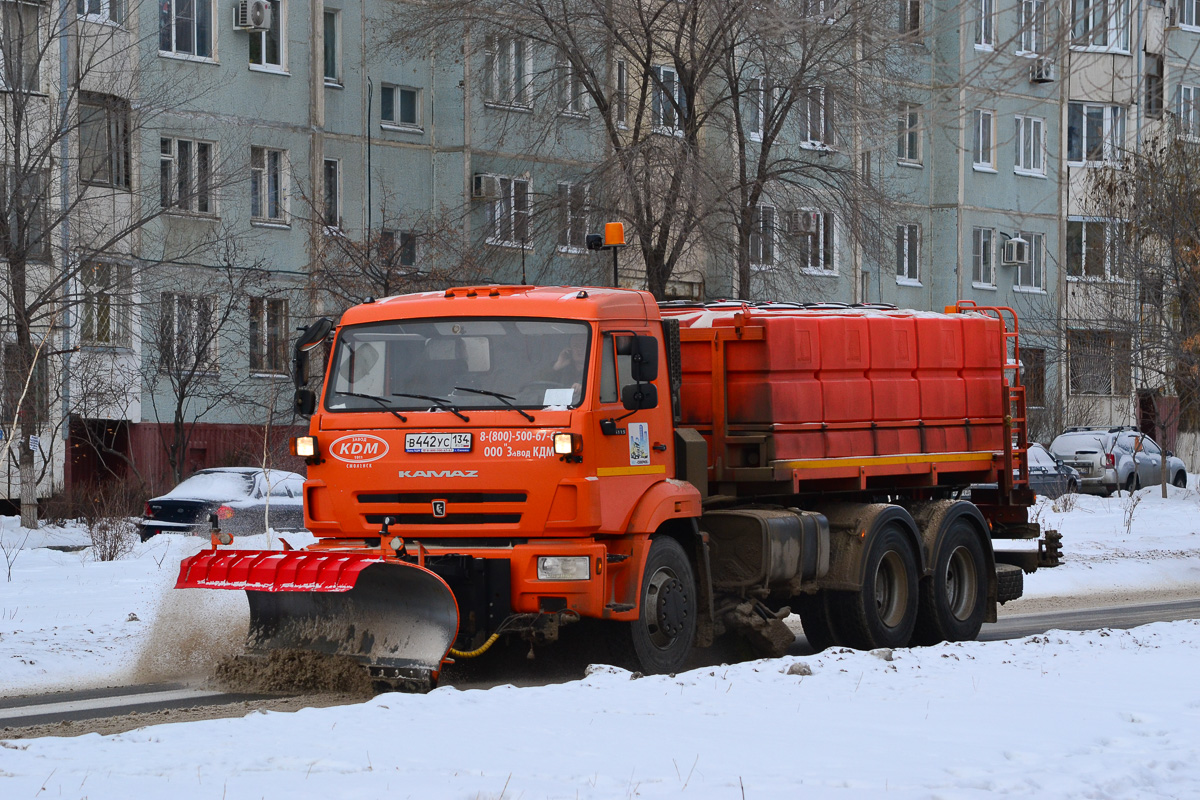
[238, 495]
[1093, 453]
[1147, 457]
[1050, 476]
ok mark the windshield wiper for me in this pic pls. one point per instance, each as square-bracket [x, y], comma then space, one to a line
[503, 398]
[381, 400]
[442, 404]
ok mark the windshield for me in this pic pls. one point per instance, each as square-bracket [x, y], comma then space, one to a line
[526, 363]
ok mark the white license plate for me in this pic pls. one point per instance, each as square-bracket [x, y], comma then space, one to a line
[437, 442]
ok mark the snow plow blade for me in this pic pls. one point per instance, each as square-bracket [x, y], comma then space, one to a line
[397, 619]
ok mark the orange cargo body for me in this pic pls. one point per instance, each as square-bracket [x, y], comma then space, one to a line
[862, 395]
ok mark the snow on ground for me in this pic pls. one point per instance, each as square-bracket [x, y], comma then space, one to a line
[1097, 715]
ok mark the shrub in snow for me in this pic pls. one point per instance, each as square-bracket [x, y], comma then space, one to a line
[111, 532]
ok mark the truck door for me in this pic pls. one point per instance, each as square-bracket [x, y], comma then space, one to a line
[1149, 461]
[627, 461]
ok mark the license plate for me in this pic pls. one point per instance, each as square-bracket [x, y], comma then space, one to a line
[437, 442]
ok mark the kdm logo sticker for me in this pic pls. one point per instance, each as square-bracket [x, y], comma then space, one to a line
[359, 448]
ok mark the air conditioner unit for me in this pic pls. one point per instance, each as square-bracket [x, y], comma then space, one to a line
[484, 186]
[1172, 16]
[1042, 71]
[1016, 251]
[801, 223]
[252, 15]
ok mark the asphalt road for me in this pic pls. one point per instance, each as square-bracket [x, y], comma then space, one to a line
[149, 703]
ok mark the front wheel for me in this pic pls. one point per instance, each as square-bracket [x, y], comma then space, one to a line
[883, 611]
[954, 597]
[1180, 481]
[665, 628]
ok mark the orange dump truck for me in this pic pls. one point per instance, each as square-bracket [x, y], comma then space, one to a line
[506, 460]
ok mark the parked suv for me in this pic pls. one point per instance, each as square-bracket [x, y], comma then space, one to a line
[1147, 457]
[1114, 458]
[1093, 452]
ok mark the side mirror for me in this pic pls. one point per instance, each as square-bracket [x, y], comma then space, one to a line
[310, 336]
[305, 402]
[1169, 454]
[644, 359]
[638, 396]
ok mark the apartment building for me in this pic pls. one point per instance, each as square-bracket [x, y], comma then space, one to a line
[274, 161]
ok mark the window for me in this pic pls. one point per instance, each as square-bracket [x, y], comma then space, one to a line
[187, 334]
[1099, 362]
[267, 195]
[508, 213]
[814, 117]
[621, 95]
[268, 334]
[1154, 86]
[814, 240]
[985, 25]
[332, 49]
[185, 175]
[1189, 13]
[568, 88]
[762, 237]
[267, 47]
[1030, 141]
[405, 254]
[185, 27]
[399, 105]
[1032, 22]
[669, 103]
[616, 370]
[572, 216]
[908, 134]
[508, 70]
[1095, 133]
[983, 254]
[103, 140]
[910, 18]
[757, 108]
[1188, 111]
[1032, 276]
[104, 312]
[12, 386]
[1100, 24]
[1092, 250]
[101, 10]
[1033, 376]
[908, 253]
[19, 47]
[983, 152]
[26, 196]
[333, 193]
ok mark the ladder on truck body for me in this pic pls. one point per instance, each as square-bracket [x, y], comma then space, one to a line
[1013, 480]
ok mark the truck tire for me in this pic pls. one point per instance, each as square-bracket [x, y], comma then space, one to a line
[814, 617]
[953, 599]
[883, 611]
[1010, 582]
[1180, 481]
[666, 627]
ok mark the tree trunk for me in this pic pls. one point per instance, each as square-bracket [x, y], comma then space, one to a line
[29, 507]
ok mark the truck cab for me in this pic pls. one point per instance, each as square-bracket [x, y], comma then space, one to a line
[518, 440]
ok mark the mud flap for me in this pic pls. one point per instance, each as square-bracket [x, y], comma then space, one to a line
[397, 619]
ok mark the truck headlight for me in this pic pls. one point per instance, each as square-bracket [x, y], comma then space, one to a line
[563, 568]
[567, 444]
[304, 446]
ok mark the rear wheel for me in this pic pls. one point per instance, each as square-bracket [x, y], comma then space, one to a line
[664, 631]
[883, 611]
[954, 598]
[1133, 484]
[1180, 481]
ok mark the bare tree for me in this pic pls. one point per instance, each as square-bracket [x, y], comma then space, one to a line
[68, 195]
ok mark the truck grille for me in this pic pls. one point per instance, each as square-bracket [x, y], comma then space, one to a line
[454, 501]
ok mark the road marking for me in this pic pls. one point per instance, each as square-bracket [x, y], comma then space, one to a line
[115, 702]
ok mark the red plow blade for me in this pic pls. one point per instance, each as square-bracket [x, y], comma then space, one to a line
[396, 618]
